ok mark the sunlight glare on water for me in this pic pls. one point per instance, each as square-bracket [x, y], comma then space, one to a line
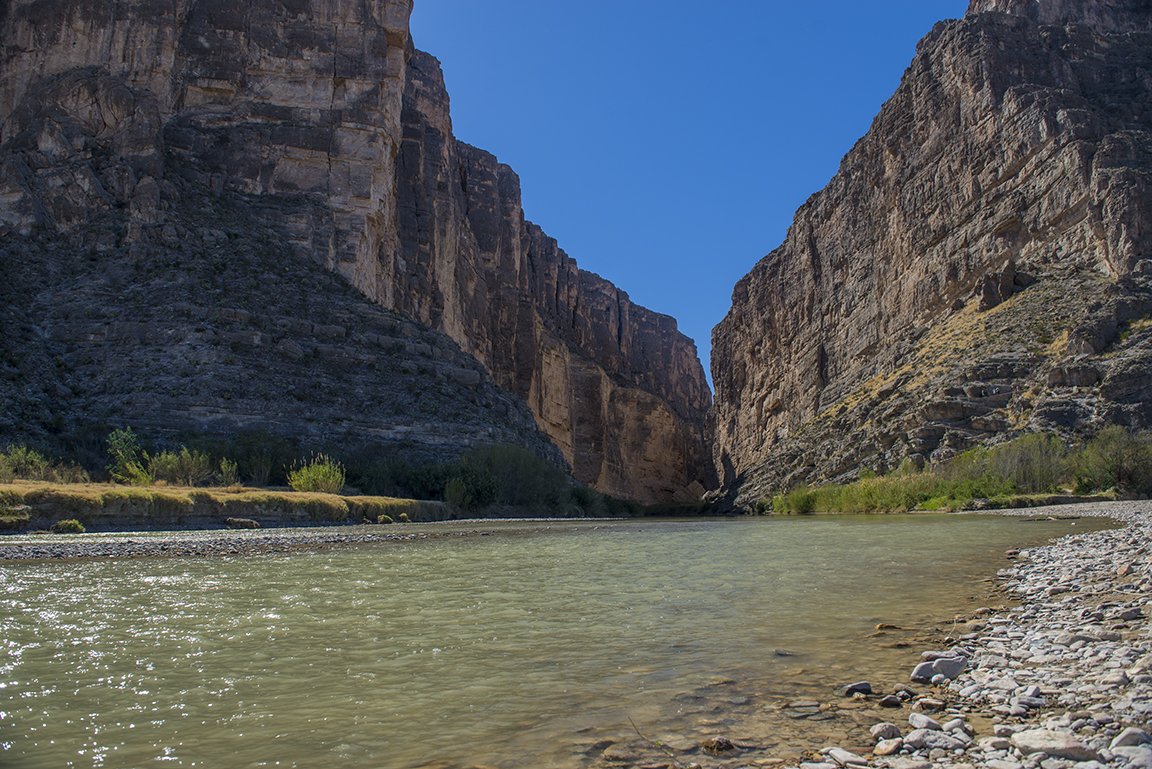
[526, 647]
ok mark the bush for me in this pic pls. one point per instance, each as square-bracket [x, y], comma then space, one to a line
[521, 477]
[229, 472]
[184, 467]
[21, 462]
[384, 519]
[591, 502]
[799, 500]
[1033, 463]
[471, 488]
[320, 474]
[129, 460]
[1115, 458]
[70, 526]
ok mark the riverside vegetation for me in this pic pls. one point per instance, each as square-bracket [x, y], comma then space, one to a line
[204, 479]
[1034, 469]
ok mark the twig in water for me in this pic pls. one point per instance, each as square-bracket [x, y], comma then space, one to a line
[659, 746]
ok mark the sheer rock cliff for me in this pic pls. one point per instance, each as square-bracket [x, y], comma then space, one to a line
[978, 267]
[616, 386]
[175, 133]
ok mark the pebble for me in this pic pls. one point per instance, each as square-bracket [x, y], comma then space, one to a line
[212, 543]
[921, 721]
[1063, 680]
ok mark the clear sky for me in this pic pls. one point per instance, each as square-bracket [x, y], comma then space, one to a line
[666, 145]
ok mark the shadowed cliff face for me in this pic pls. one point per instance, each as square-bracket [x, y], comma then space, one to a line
[308, 116]
[972, 268]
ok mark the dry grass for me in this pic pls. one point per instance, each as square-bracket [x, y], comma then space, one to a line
[94, 502]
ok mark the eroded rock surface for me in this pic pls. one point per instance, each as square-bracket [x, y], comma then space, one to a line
[317, 123]
[615, 385]
[977, 267]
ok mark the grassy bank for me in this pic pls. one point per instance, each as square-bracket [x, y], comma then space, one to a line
[195, 481]
[1032, 470]
[94, 505]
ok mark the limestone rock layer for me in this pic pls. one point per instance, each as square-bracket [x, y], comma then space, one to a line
[319, 119]
[977, 267]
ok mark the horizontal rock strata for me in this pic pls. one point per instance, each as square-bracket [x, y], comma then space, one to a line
[976, 267]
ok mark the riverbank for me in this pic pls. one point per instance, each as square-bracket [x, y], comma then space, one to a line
[215, 543]
[102, 507]
[1062, 680]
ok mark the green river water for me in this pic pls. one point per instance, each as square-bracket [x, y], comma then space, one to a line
[534, 644]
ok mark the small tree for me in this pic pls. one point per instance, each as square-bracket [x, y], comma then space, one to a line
[129, 460]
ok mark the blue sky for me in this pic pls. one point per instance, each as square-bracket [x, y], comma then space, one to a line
[666, 145]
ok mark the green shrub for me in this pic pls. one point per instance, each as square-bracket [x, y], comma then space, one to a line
[320, 474]
[799, 500]
[229, 472]
[516, 475]
[384, 519]
[590, 501]
[472, 487]
[23, 463]
[184, 467]
[1033, 463]
[70, 526]
[1115, 458]
[129, 460]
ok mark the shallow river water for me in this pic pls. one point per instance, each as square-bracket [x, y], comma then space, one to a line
[525, 645]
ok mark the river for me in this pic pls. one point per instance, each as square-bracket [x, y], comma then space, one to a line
[521, 644]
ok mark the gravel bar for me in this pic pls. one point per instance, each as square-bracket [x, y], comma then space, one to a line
[216, 543]
[1061, 681]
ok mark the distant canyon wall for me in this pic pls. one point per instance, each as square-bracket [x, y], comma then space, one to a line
[616, 386]
[1015, 153]
[327, 100]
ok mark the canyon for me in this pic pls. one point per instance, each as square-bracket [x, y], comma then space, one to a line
[218, 217]
[977, 268]
[172, 173]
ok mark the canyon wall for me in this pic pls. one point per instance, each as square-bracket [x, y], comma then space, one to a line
[317, 121]
[616, 386]
[978, 266]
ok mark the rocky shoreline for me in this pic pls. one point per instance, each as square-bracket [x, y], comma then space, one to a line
[1062, 680]
[214, 543]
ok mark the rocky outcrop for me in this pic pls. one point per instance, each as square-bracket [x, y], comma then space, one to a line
[307, 121]
[978, 266]
[616, 386]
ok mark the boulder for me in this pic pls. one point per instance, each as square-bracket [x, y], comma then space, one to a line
[1055, 744]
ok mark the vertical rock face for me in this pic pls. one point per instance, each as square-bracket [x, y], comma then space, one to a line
[616, 386]
[267, 97]
[912, 309]
[310, 113]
